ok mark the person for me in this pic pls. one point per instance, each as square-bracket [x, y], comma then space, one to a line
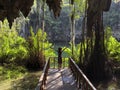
[59, 58]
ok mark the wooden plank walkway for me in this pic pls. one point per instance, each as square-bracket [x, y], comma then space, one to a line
[53, 79]
[60, 80]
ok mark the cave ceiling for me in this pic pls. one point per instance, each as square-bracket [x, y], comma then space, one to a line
[10, 9]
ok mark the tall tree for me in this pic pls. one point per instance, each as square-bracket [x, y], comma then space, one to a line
[96, 57]
[72, 26]
[43, 24]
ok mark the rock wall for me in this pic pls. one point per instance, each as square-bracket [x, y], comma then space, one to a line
[10, 9]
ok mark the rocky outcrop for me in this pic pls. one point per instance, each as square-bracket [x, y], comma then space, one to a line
[10, 9]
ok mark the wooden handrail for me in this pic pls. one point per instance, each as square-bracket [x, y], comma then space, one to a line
[82, 81]
[54, 62]
[42, 80]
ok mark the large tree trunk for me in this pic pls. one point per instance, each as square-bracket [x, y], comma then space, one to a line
[96, 66]
[96, 58]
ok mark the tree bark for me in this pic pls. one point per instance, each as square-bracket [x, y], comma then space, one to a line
[96, 56]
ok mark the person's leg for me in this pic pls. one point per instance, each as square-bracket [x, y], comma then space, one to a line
[59, 66]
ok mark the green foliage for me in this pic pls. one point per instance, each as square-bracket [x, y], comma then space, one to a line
[12, 46]
[77, 52]
[35, 54]
[44, 44]
[67, 52]
[79, 8]
[12, 52]
[112, 45]
[17, 52]
[15, 49]
[38, 48]
[49, 52]
[113, 48]
[11, 71]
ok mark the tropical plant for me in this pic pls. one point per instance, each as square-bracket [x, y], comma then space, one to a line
[12, 46]
[38, 48]
[112, 45]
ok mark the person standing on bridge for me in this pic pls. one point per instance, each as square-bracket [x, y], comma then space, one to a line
[60, 57]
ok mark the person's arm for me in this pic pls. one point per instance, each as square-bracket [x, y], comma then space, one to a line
[64, 49]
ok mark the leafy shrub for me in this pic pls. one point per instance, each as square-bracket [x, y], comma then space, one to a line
[12, 46]
[38, 48]
[113, 48]
[11, 71]
[19, 51]
[112, 45]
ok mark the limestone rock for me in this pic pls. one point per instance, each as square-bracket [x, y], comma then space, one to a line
[10, 9]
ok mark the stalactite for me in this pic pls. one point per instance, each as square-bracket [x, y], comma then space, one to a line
[10, 9]
[54, 5]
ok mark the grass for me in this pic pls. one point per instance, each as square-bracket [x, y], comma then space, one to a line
[18, 80]
[28, 82]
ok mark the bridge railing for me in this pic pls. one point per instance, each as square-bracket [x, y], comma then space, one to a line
[82, 81]
[54, 62]
[43, 78]
[51, 63]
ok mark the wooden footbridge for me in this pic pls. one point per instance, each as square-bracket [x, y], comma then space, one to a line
[70, 77]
